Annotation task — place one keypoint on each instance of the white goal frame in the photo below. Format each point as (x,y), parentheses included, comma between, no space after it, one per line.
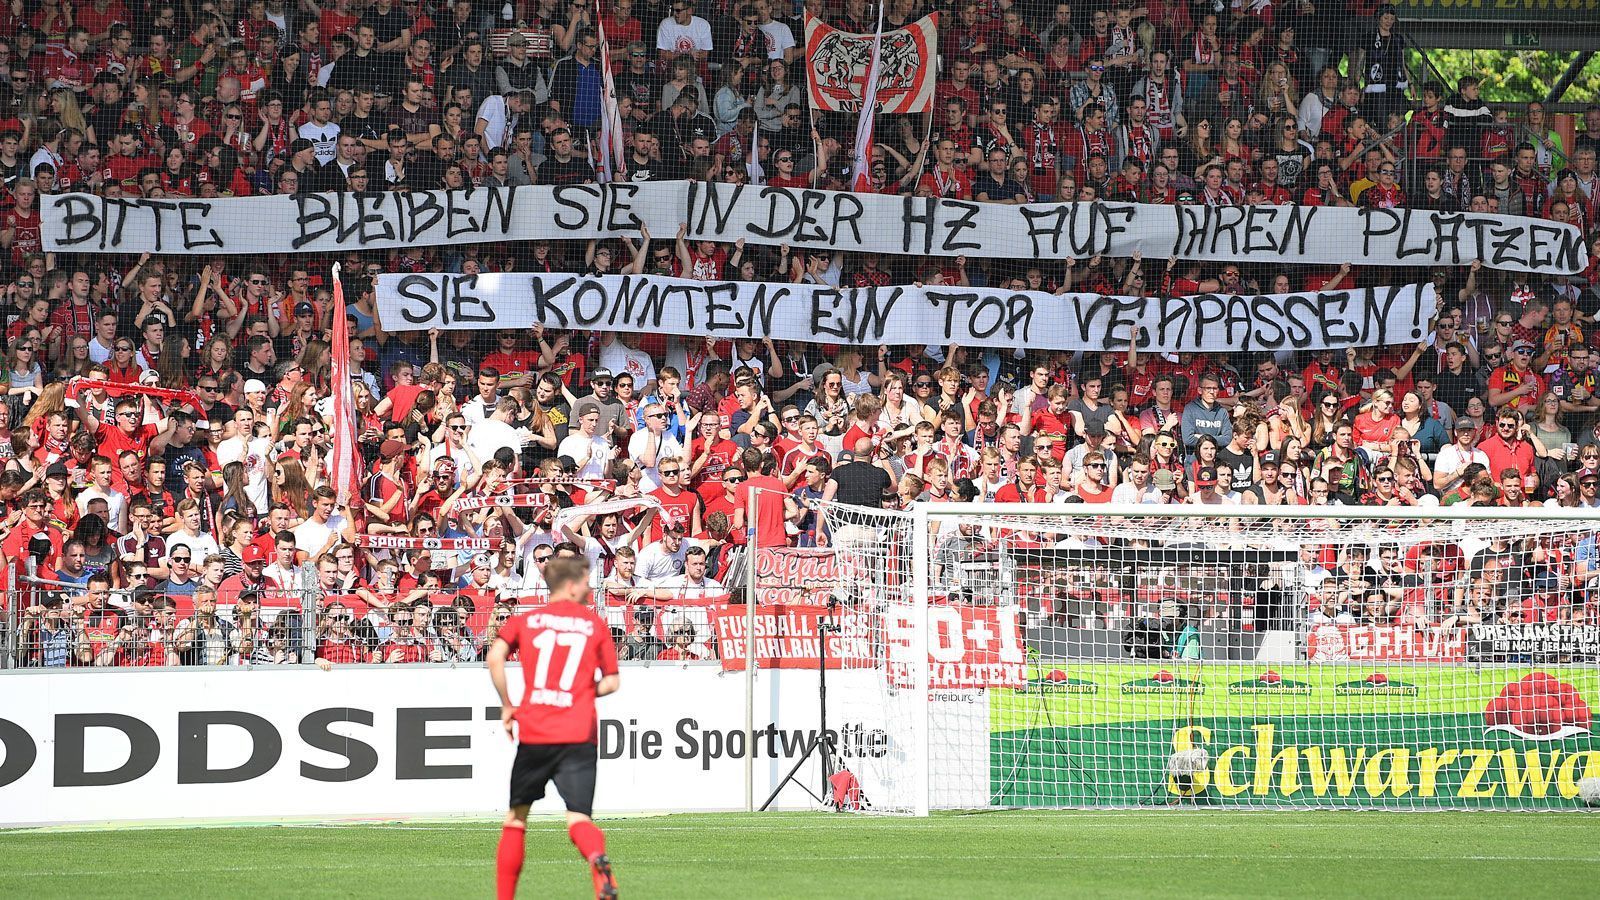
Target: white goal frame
(923,515)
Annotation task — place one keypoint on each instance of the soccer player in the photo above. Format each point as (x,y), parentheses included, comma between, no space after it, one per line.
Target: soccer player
(561,646)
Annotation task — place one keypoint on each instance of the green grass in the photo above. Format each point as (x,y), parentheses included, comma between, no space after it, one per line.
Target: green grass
(1146,853)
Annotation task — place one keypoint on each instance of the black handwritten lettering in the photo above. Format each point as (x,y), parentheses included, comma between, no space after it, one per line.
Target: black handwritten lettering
(719,299)
(314,218)
(907,314)
(618,197)
(917,213)
(810,220)
(77,212)
(192,227)
(1267,316)
(545,308)
(1045,222)
(963,221)
(779,202)
(575,197)
(422,211)
(847,213)
(1376,223)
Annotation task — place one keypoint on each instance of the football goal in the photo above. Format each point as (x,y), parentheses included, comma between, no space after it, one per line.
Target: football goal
(1079,655)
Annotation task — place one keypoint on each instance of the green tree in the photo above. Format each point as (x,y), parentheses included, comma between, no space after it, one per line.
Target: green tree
(1513,76)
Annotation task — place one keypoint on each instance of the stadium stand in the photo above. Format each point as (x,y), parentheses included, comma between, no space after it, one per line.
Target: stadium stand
(167,417)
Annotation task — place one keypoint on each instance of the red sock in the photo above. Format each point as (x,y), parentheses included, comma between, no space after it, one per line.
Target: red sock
(588,838)
(508,860)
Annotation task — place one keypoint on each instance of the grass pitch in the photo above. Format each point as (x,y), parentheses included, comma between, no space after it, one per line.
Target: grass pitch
(1145,853)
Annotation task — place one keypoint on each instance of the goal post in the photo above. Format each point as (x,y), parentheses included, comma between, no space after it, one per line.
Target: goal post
(1076,655)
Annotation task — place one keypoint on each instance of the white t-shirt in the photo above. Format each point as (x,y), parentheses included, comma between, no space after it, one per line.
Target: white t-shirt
(779,39)
(254,454)
(1452,460)
(325,137)
(598,448)
(656,564)
(311,535)
(497,120)
(1127,493)
(199,546)
(488,436)
(709,587)
(116,506)
(684,38)
(617,357)
(668,449)
(99,352)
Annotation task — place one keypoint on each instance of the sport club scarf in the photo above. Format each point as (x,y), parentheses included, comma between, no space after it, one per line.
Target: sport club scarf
(114,389)
(402,542)
(533,501)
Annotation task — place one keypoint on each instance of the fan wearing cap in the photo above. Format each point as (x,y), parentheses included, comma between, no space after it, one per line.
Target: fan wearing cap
(477,586)
(587,445)
(1589,498)
(386,494)
(1514,385)
(253,578)
(1205,488)
(19,541)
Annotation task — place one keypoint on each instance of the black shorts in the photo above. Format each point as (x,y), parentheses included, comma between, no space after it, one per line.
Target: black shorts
(570,766)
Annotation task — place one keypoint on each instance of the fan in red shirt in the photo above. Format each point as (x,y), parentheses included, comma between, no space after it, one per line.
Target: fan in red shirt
(701,261)
(510,360)
(124,164)
(561,646)
(1385,194)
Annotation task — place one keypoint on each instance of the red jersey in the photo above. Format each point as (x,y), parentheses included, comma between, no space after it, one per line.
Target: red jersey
(25,239)
(769,523)
(560,646)
(678,507)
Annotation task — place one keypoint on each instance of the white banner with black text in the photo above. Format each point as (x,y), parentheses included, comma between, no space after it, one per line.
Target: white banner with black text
(809,219)
(930,315)
(154,744)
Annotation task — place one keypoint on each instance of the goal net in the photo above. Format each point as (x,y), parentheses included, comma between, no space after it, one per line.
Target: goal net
(1111,656)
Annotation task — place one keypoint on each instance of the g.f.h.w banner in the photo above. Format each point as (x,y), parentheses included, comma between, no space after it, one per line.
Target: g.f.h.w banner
(837,63)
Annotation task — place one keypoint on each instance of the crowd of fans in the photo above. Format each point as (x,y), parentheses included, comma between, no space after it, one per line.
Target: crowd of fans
(181,522)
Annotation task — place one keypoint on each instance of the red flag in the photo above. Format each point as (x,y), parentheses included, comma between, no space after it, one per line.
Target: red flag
(344,463)
(860,175)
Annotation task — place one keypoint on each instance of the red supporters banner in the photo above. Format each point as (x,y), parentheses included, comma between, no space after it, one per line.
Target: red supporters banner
(786,637)
(837,63)
(345,459)
(1385,643)
(796,575)
(968,647)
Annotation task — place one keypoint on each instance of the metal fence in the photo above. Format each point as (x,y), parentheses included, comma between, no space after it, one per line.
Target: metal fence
(60,624)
